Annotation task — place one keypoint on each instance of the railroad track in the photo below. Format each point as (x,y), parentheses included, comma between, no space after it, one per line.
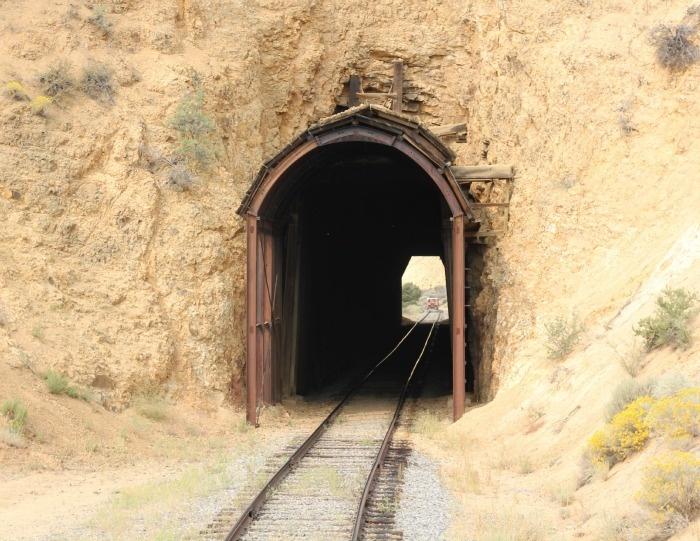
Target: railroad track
(343,482)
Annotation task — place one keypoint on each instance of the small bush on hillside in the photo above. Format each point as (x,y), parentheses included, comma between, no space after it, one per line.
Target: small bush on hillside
(677,416)
(633,361)
(562,336)
(16,413)
(100,20)
(16,91)
(671,485)
(626,433)
(4,318)
(625,393)
(194,127)
(669,324)
(57,79)
(410,293)
(674,50)
(97,82)
(180,178)
(39,104)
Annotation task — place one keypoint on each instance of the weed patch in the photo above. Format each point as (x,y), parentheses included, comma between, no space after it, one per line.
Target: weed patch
(57,383)
(677,416)
(101,21)
(39,104)
(152,407)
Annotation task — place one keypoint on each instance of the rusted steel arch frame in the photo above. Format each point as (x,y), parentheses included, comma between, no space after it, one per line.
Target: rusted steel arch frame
(439,174)
(391,130)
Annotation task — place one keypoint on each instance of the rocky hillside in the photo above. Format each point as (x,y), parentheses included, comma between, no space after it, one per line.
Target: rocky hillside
(112,276)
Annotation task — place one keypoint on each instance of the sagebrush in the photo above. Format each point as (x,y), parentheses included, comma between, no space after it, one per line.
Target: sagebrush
(57,80)
(673,46)
(669,324)
(626,393)
(100,20)
(97,82)
(57,383)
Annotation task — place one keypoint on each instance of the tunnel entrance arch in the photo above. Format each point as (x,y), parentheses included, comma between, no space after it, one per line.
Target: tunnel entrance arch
(387,172)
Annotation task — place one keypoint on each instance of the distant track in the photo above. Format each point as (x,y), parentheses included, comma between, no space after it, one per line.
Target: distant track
(341,482)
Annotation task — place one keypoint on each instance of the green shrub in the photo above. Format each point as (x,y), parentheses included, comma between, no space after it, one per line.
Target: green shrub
(671,485)
(669,324)
(562,336)
(16,413)
(97,82)
(626,393)
(57,79)
(194,129)
(410,293)
(57,383)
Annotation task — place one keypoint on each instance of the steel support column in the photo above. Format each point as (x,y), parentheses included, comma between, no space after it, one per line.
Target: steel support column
(251,320)
(457,316)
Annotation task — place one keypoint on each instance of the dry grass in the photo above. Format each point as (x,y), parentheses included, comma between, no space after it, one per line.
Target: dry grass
(428,424)
(321,480)
(507,524)
(152,407)
(97,82)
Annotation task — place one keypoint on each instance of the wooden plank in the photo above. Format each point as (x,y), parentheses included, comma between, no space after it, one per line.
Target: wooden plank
(448,129)
(475,234)
(479,172)
(397,105)
(486,205)
(354,89)
(376,95)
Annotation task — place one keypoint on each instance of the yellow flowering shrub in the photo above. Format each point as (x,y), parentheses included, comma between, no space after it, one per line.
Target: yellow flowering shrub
(39,104)
(627,432)
(671,484)
(677,416)
(16,90)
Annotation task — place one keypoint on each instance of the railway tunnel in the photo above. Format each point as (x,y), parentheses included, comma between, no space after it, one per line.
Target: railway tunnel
(332,222)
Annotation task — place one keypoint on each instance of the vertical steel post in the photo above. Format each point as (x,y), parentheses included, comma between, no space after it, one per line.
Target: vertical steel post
(251,321)
(458,319)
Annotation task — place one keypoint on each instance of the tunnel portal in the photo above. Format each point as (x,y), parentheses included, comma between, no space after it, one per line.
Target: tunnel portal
(332,221)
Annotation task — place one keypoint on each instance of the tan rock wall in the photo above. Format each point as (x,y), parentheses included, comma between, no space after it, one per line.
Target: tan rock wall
(107,274)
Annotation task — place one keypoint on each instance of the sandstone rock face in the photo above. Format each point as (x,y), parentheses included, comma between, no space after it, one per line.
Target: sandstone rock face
(122,283)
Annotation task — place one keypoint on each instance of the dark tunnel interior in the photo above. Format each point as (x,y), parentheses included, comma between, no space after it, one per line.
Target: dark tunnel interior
(350,216)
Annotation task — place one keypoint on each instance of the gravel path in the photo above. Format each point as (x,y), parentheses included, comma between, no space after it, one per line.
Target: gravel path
(424,507)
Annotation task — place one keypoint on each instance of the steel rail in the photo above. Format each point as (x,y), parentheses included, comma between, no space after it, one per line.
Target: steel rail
(252,510)
(381,455)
